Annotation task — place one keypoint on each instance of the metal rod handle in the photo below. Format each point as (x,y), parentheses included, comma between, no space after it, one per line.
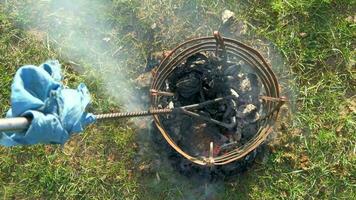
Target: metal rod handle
(14,124)
(23,123)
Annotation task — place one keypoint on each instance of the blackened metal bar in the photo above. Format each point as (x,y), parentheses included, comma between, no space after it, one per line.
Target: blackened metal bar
(158,111)
(208,119)
(205,103)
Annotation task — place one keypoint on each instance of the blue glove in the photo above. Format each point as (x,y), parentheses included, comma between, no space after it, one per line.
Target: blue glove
(56,112)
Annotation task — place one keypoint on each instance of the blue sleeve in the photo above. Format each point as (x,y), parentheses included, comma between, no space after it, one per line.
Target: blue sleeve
(56,112)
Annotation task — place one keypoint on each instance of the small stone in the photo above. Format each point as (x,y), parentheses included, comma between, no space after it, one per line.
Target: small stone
(303,34)
(351,19)
(227,15)
(154,26)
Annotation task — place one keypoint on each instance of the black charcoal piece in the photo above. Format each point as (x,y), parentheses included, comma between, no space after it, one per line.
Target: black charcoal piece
(189,85)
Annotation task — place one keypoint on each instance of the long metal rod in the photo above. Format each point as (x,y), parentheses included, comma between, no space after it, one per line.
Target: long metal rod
(22,123)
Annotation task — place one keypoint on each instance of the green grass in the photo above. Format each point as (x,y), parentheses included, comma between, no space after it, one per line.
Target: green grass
(313,156)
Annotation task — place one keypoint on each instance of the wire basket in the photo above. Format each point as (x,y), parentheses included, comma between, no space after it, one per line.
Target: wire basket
(225,48)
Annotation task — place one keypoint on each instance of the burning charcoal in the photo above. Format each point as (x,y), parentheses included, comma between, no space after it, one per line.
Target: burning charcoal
(245,110)
(189,85)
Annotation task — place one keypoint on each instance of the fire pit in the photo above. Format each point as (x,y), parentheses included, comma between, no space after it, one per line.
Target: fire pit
(234,92)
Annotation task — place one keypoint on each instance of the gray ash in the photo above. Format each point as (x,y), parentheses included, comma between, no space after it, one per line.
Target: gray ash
(204,77)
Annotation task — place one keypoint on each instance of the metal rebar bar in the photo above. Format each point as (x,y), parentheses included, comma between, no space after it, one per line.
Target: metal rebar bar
(22,123)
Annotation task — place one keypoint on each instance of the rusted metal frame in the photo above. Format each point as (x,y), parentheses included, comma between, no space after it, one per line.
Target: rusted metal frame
(220,45)
(210,160)
(262,133)
(258,68)
(182,56)
(202,44)
(254,143)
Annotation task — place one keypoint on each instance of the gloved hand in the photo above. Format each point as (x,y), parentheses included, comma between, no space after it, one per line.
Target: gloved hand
(56,112)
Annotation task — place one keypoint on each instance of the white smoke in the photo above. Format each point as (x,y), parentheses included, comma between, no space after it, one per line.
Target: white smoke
(80,32)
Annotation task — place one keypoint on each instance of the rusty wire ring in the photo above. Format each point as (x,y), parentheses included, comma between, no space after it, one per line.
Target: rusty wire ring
(217,44)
